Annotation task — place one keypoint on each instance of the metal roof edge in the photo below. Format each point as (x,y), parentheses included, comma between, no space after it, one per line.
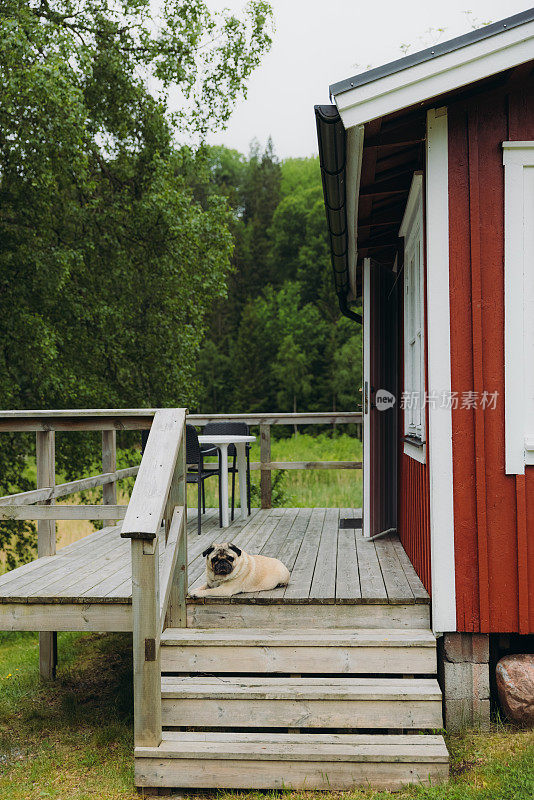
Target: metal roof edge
(433,52)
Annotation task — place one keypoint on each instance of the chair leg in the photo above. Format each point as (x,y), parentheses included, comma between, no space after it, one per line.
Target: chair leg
(199,496)
(220,500)
(248,483)
(203,497)
(233,494)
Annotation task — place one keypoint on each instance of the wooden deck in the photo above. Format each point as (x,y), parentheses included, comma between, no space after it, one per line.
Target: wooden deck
(87,585)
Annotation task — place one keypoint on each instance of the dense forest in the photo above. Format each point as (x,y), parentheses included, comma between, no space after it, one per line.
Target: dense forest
(277,340)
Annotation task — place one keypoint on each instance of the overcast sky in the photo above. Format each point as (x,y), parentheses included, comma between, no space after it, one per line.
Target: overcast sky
(318,42)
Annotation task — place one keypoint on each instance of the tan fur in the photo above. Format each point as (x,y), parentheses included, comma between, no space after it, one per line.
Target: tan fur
(249,574)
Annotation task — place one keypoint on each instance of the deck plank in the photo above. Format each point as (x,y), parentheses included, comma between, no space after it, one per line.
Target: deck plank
(302,574)
(373,588)
(347,567)
(397,586)
(323,585)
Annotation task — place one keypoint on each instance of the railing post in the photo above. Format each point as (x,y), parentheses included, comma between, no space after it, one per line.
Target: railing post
(45,458)
(109,464)
(265,462)
(177,609)
(146,642)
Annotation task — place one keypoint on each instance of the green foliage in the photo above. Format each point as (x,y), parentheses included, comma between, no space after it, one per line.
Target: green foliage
(277,342)
(111,255)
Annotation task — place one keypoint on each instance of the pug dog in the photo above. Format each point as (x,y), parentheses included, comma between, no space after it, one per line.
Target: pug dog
(229,570)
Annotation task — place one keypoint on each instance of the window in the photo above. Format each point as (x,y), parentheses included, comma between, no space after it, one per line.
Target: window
(414,345)
(518,158)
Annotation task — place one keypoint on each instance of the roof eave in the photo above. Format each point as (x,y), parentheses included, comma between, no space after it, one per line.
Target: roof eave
(423,80)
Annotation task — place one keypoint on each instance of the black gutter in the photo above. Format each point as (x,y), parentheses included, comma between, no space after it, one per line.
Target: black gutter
(332,140)
(431,53)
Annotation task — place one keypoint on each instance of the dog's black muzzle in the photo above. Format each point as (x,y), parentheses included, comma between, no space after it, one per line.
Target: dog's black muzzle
(222,567)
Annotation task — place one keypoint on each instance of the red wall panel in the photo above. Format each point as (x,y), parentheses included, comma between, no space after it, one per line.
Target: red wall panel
(414,516)
(494,512)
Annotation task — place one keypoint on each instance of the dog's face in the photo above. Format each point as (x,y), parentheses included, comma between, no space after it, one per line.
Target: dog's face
(222,558)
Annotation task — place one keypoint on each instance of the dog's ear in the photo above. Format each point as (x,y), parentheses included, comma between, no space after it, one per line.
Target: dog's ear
(208,551)
(235,549)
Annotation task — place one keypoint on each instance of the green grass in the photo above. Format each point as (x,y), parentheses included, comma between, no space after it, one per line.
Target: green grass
(72,739)
(329,488)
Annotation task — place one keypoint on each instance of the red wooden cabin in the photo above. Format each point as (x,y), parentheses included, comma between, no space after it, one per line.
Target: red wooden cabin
(428,172)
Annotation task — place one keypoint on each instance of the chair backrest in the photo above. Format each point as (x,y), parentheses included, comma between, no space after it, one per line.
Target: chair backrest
(226,429)
(192,446)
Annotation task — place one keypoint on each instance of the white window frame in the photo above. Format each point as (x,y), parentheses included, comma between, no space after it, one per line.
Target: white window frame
(412,231)
(518,158)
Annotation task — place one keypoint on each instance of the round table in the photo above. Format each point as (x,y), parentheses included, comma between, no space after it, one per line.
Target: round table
(222,442)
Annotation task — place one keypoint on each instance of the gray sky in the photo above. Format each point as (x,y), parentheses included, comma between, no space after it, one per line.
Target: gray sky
(318,42)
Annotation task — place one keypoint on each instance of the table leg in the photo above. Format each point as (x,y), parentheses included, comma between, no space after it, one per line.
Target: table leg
(242,468)
(224,483)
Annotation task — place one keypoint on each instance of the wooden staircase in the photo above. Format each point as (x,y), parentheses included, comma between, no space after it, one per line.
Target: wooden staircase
(319,708)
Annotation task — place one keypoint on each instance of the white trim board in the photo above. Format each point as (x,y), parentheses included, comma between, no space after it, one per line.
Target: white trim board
(415,451)
(432,78)
(366,511)
(518,157)
(439,374)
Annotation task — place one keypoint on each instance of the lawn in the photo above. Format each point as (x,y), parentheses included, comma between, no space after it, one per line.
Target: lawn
(325,488)
(72,740)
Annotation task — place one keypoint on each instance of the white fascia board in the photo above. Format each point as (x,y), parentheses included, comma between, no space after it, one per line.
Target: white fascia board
(433,78)
(439,374)
(353,176)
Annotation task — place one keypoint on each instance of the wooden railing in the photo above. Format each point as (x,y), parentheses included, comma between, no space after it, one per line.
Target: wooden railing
(265,420)
(159,554)
(159,581)
(39,504)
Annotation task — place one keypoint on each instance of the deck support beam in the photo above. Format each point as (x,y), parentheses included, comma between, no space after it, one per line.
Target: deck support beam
(45,456)
(146,643)
(265,465)
(109,464)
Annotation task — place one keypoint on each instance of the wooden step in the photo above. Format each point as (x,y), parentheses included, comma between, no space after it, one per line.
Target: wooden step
(309,651)
(241,702)
(221,614)
(292,761)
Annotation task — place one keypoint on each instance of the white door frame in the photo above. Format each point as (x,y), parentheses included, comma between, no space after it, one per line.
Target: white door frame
(366,399)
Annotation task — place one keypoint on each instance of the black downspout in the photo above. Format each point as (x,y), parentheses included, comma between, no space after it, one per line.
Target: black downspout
(348,312)
(332,140)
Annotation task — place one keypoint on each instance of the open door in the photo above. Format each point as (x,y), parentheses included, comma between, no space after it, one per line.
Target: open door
(380,397)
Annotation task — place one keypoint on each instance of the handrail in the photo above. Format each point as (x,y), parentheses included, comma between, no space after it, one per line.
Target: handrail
(275,418)
(151,489)
(99,419)
(159,585)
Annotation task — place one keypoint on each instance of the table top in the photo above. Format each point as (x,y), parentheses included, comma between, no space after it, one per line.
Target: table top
(230,438)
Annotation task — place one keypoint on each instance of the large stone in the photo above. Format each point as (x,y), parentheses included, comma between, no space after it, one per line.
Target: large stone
(515,683)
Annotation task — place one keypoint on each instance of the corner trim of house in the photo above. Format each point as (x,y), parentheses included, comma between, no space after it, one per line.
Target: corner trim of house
(439,374)
(366,516)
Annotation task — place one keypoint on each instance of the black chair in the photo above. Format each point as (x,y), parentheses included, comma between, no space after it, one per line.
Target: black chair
(196,473)
(226,429)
